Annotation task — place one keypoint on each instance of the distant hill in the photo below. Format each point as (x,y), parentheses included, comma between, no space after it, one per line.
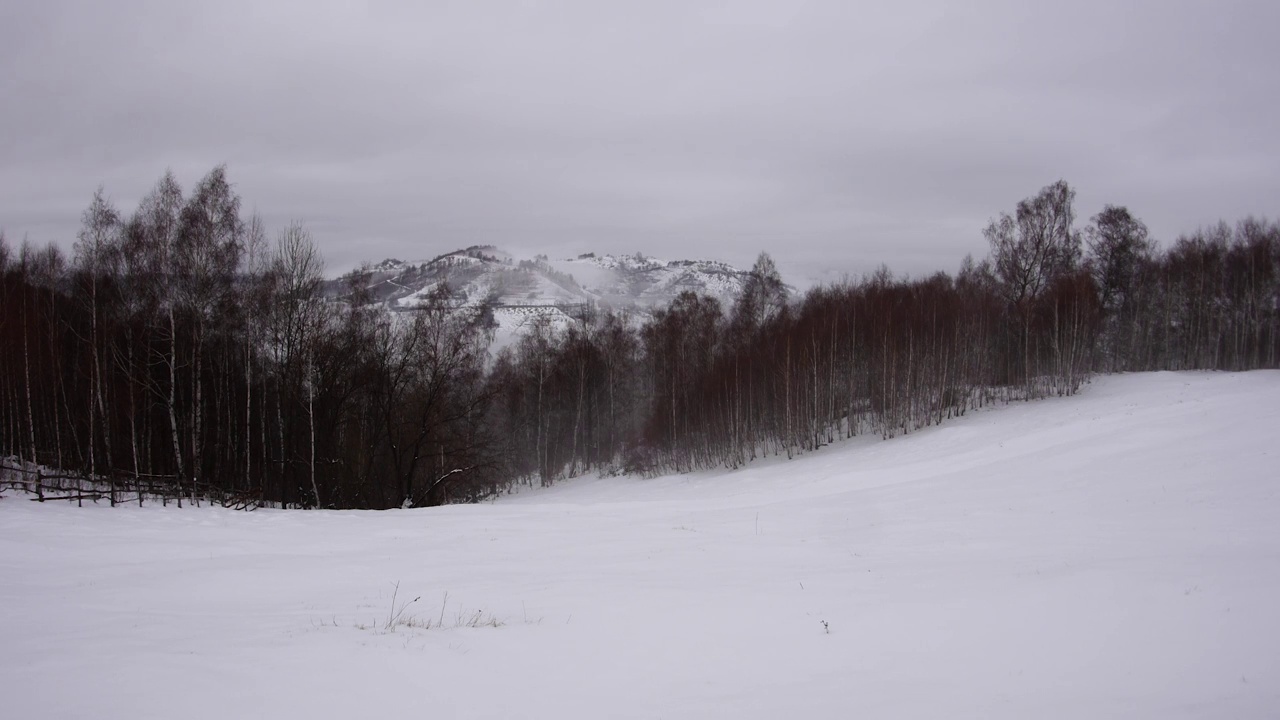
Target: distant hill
(523,288)
(485,272)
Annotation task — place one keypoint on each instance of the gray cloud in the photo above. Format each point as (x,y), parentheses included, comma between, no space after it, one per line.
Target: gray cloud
(834,135)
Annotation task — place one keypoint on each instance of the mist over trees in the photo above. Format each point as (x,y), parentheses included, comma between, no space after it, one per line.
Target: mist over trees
(185,348)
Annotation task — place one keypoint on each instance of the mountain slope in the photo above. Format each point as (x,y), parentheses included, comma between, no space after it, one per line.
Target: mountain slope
(488,273)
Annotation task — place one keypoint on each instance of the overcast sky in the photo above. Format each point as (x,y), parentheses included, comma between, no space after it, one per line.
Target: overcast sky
(835,135)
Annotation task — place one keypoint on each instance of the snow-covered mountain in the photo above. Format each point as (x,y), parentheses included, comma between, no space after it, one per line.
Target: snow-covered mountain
(522,290)
(484,272)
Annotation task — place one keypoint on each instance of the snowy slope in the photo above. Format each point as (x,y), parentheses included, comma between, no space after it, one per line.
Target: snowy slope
(1115,554)
(645,282)
(485,272)
(557,291)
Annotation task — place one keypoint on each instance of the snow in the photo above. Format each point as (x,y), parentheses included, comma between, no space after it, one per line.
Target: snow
(514,320)
(1114,554)
(650,282)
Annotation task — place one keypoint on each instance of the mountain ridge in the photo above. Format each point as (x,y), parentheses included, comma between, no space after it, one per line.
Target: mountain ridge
(487,273)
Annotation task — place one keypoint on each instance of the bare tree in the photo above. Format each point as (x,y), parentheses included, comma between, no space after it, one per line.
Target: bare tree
(1030,251)
(208,251)
(296,321)
(98,243)
(159,219)
(1119,246)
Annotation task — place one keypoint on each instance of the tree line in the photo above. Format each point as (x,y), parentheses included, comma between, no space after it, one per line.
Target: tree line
(182,345)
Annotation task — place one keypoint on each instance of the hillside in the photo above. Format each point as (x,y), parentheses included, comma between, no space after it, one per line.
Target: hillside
(489,273)
(1112,554)
(557,290)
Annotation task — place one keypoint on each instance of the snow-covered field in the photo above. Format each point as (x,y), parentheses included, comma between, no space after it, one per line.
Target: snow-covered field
(1112,555)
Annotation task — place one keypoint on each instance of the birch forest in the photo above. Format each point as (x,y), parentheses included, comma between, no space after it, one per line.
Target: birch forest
(185,352)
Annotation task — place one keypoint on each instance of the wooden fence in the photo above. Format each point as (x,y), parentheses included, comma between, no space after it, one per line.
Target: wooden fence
(119,488)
